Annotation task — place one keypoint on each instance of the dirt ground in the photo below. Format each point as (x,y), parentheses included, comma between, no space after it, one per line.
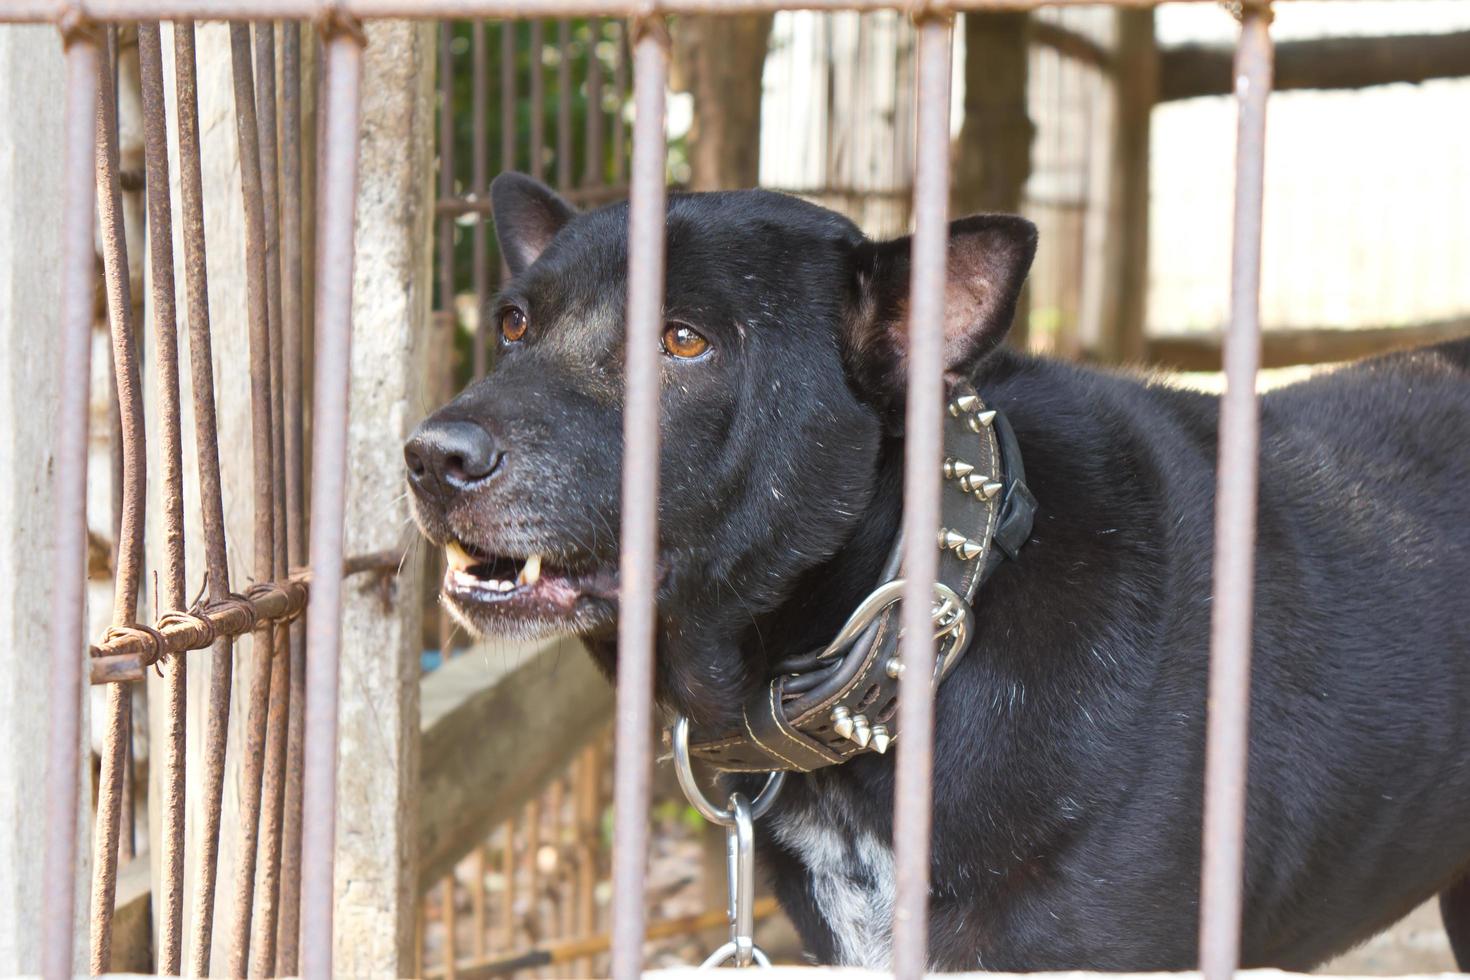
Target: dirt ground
(1416,945)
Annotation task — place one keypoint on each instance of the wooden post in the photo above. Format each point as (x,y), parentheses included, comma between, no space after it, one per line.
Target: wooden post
(1115,270)
(377,774)
(32,88)
(993,161)
(719,60)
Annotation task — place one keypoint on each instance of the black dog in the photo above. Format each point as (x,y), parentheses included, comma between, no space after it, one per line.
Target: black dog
(1069,740)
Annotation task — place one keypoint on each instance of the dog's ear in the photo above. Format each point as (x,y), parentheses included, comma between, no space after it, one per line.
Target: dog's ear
(528,214)
(989,256)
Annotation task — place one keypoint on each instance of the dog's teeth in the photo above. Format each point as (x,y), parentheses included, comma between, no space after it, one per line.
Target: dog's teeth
(457,557)
(531,571)
(463,579)
(505,586)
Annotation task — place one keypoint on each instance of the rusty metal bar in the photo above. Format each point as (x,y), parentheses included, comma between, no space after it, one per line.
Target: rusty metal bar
(646,211)
(620,86)
(257,302)
(125,591)
(1227,739)
(451,953)
(263,935)
(480,176)
(922,451)
(206,439)
(170,905)
(128,10)
(446,170)
(69,559)
(508,125)
(343,80)
(564,104)
(538,100)
(592,175)
(288,931)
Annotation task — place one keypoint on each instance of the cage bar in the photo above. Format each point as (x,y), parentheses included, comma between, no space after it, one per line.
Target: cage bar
(342,88)
(258,310)
(922,452)
(206,434)
(1227,739)
(481,168)
(165,321)
(130,528)
(637,564)
(69,562)
(292,305)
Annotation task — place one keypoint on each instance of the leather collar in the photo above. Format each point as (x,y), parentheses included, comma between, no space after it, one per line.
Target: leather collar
(825,707)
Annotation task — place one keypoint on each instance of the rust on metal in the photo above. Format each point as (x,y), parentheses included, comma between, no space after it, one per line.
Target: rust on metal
(69,561)
(639,538)
(538,102)
(273,789)
(342,104)
(206,434)
(922,451)
(564,104)
(592,175)
(1231,614)
(292,308)
(170,903)
(247,131)
(480,176)
(134,454)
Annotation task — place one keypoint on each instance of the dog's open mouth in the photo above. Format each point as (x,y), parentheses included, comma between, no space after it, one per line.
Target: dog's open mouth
(504,593)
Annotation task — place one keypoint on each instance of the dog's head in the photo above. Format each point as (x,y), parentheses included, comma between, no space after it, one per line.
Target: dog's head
(782,383)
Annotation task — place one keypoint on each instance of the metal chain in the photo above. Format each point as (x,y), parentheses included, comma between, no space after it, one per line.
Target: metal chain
(738,818)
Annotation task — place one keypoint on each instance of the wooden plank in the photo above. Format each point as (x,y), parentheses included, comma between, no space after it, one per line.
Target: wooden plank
(378,721)
(1285,348)
(1187,71)
(491,743)
(1115,270)
(32,90)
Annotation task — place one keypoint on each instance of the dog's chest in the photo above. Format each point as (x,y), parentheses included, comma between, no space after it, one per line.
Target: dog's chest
(850,874)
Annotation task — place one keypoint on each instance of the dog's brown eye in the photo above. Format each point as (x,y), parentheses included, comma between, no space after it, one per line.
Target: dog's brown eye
(684,341)
(512,324)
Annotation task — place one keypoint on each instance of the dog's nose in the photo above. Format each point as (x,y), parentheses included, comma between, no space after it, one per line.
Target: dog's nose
(451,455)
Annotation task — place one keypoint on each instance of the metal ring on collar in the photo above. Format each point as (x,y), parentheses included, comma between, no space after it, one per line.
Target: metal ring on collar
(685,771)
(952,614)
(728,951)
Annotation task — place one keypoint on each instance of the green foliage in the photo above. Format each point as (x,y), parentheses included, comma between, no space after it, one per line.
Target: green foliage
(586,38)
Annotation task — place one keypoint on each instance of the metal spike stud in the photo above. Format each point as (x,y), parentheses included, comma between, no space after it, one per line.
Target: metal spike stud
(957,469)
(842,722)
(950,539)
(894,668)
(981,420)
(881,738)
(963,404)
(989,490)
(861,734)
(973,483)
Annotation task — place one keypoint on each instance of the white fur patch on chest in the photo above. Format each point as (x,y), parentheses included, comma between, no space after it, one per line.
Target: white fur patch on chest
(852,882)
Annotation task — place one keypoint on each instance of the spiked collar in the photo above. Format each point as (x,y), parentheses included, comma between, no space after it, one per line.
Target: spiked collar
(824,707)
